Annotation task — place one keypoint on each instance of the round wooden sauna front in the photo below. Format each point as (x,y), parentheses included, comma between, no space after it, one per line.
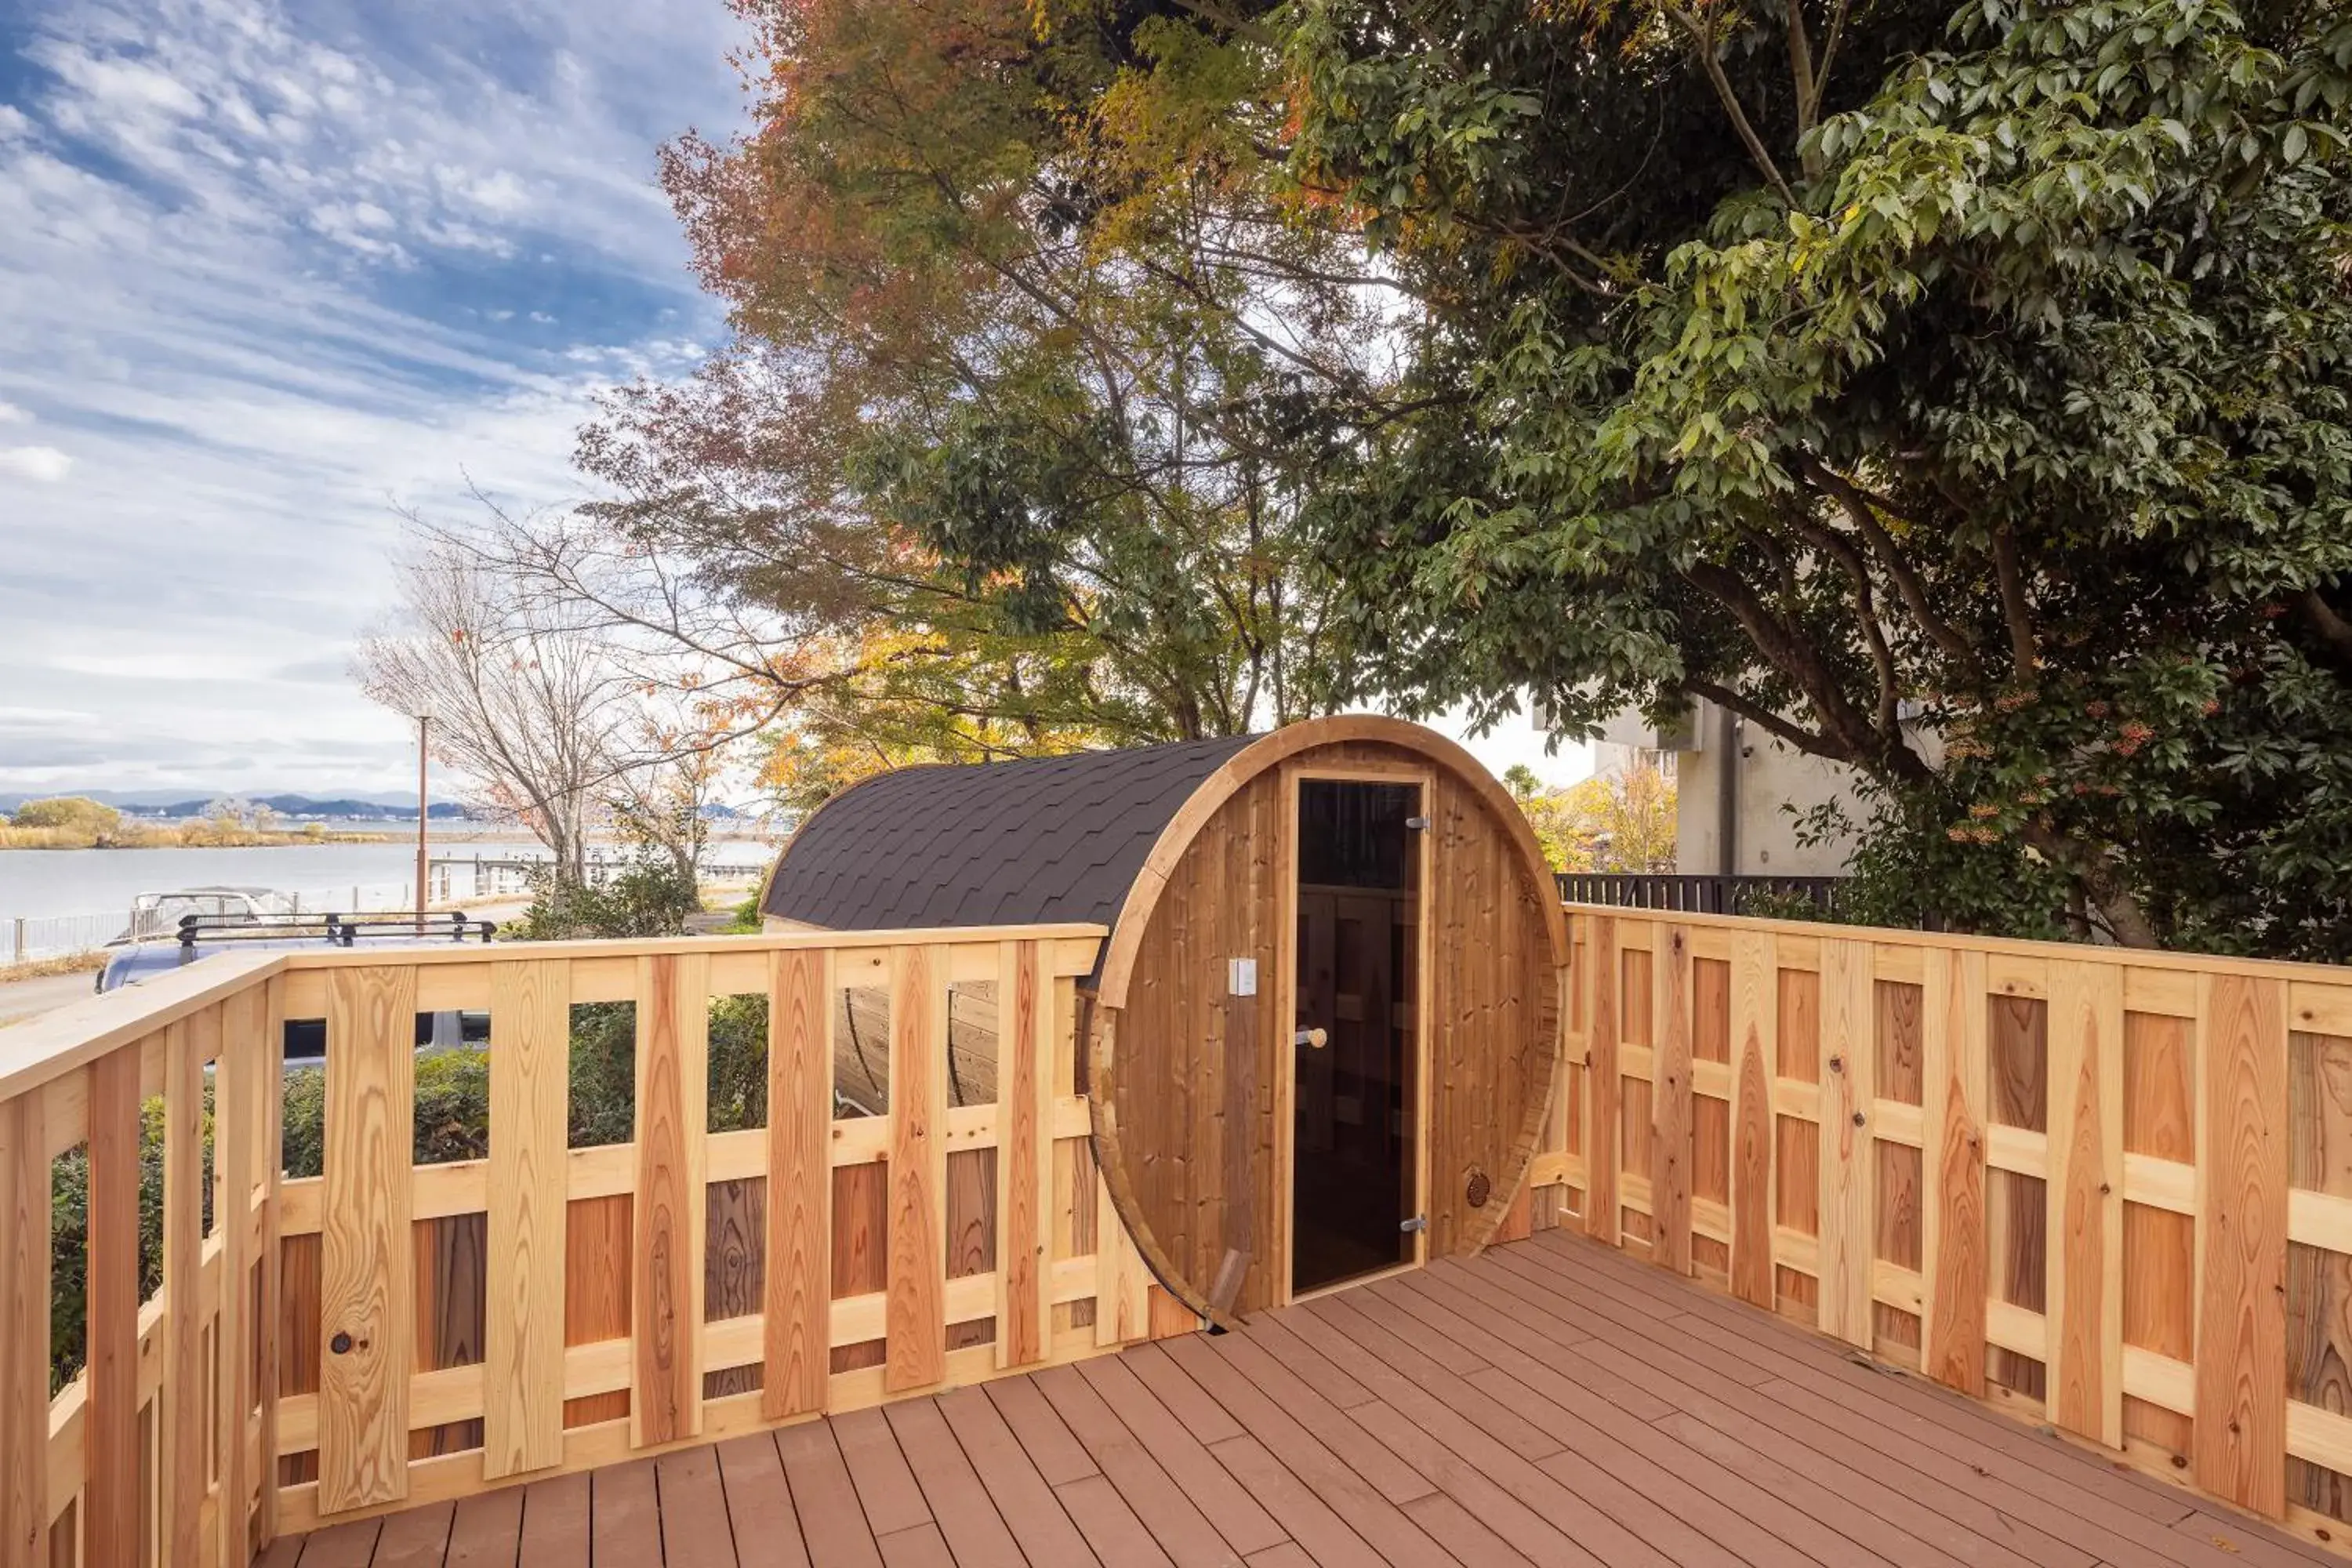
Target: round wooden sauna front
(1323,1031)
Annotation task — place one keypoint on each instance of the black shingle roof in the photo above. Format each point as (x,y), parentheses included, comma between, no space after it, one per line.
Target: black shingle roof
(1045,840)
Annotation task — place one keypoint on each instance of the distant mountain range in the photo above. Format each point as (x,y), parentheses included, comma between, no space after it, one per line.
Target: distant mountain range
(370,808)
(180,802)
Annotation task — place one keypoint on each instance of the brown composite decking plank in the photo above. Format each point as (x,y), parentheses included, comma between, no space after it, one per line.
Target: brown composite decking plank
(555,1522)
(342,1545)
(1749,1522)
(1227,1504)
(2264,1547)
(624,1516)
(1059,1457)
(486,1530)
(833,1521)
(1469,1542)
(1118,1537)
(1173,1520)
(1022,1496)
(919,1546)
(1434,1365)
(760,1511)
(1956,1519)
(1529,1281)
(286,1551)
(1795,1352)
(1343,1336)
(886,1487)
(1340,1464)
(1322,1536)
(695,1531)
(1530,1532)
(1647,1498)
(967,1516)
(414,1538)
(1293,1421)
(1556,1352)
(1289,1554)
(1203,1416)
(1918,1425)
(2034,1480)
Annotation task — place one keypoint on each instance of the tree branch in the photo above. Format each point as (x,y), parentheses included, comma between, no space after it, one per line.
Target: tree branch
(1703,45)
(2014,607)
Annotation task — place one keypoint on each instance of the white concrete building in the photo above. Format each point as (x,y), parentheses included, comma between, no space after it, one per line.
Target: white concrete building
(1740,794)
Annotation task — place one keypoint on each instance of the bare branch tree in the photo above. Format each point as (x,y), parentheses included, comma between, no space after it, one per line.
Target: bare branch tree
(524,700)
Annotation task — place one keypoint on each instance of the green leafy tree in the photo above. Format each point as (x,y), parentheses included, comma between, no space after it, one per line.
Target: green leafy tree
(1035,357)
(1962,398)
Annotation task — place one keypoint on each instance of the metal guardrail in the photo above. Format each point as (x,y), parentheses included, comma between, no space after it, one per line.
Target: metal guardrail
(1694,895)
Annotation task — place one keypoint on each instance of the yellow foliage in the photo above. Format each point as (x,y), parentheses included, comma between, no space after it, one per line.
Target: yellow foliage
(1622,822)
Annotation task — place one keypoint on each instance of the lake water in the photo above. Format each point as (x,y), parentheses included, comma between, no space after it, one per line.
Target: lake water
(46,884)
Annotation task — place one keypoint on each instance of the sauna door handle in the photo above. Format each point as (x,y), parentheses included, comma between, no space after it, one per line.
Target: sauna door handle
(1314,1037)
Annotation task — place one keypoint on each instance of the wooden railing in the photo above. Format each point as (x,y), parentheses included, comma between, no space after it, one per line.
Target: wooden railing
(384,1333)
(2110,1189)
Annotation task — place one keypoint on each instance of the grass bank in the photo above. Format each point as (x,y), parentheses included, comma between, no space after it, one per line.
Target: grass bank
(43,968)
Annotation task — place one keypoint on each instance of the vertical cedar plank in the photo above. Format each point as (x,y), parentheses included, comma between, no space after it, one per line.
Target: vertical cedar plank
(797,1290)
(1848,1216)
(2240,1418)
(24,1335)
(181,1471)
(915,1319)
(366,1248)
(1601,1086)
(1024,1120)
(110,1490)
(1670,1098)
(237,1172)
(271,1105)
(2085,1192)
(1754,1014)
(1123,1304)
(522,1375)
(671,1208)
(1952,1044)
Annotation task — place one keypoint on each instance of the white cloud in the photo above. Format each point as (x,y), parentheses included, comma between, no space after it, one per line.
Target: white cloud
(45,464)
(258,273)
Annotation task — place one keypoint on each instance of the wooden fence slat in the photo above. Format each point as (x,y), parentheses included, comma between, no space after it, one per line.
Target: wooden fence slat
(671,1210)
(24,1335)
(1849,1160)
(915,1319)
(110,1499)
(1122,1285)
(1670,1098)
(1952,1249)
(237,1172)
(2085,1192)
(366,1295)
(182,1401)
(1601,1089)
(2242,1135)
(797,1287)
(1755,1019)
(271,1105)
(522,1351)
(1024,1157)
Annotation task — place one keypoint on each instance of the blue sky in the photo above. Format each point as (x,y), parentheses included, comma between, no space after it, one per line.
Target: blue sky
(269,275)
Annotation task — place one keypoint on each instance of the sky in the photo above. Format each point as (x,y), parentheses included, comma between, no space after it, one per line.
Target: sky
(271,275)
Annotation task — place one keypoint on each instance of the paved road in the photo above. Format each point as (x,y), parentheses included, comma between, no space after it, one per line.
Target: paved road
(23,998)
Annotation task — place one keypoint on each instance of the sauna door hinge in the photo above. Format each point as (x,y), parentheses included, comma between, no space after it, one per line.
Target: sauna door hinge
(1418,1222)
(1417,824)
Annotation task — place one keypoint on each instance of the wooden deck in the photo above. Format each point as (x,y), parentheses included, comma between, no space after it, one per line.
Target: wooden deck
(1552,1402)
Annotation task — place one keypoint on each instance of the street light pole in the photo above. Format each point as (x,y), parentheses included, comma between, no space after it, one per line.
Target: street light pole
(423,723)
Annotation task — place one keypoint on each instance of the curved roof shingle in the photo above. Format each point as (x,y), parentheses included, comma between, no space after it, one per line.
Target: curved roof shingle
(1029,842)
